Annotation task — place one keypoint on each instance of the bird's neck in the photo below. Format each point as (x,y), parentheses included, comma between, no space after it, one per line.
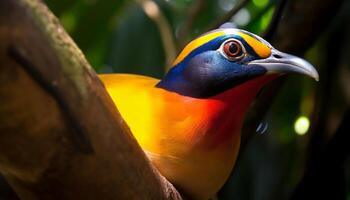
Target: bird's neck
(226,111)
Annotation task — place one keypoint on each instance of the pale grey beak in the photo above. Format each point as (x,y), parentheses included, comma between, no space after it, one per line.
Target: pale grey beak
(279,62)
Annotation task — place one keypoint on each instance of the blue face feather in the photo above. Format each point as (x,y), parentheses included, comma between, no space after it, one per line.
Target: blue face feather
(206,71)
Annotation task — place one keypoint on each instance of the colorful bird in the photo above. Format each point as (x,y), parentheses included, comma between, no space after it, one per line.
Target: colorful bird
(189,122)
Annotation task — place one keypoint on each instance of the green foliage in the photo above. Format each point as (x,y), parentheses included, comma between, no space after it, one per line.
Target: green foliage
(136,46)
(111,33)
(90,23)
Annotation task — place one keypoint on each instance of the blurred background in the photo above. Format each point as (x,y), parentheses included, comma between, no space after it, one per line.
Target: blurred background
(144,36)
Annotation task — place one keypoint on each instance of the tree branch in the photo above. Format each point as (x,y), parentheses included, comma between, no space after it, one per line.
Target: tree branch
(61,136)
(153,11)
(277,15)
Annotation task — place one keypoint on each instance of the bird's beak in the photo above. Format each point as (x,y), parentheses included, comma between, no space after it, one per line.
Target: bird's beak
(279,62)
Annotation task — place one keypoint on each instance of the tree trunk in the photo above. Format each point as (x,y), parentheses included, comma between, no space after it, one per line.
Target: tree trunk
(61,136)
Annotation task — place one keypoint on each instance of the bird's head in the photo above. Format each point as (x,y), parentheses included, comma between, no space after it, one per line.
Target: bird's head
(225,58)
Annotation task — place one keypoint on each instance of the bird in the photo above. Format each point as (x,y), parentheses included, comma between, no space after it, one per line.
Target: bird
(189,122)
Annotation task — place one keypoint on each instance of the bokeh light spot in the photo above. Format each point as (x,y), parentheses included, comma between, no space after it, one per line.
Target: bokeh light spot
(69,21)
(301,125)
(266,18)
(242,18)
(226,5)
(260,3)
(150,8)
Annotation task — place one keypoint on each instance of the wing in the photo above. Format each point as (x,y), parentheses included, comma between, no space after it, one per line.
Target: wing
(161,121)
(132,94)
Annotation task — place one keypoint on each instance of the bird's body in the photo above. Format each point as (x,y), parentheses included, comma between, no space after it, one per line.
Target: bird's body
(191,138)
(189,122)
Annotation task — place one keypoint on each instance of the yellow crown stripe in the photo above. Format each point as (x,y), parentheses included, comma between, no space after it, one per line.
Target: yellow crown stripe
(197,43)
(259,47)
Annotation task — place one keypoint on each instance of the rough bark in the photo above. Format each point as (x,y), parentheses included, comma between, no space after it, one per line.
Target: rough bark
(61,136)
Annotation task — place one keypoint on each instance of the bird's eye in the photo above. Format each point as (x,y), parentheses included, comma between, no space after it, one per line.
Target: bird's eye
(233,49)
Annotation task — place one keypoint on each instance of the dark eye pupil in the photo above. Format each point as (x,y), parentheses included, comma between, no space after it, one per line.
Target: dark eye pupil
(233,48)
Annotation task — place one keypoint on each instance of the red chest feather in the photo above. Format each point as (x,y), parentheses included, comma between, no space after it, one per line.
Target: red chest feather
(225,112)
